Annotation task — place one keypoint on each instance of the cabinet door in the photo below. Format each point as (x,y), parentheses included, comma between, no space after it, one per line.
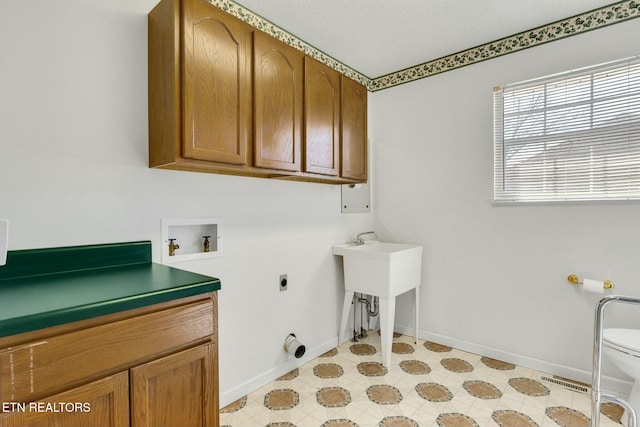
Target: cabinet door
(216,85)
(277,92)
(322,118)
(102,403)
(176,390)
(354,130)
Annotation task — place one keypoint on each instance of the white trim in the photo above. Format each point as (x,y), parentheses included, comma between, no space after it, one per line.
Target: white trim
(609,384)
(253,384)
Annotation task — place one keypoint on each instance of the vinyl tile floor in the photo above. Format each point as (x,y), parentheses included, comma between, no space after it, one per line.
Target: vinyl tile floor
(427,384)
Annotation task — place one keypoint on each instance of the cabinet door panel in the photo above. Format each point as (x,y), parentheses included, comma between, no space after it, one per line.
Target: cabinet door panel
(103,403)
(177,390)
(322,118)
(216,85)
(354,130)
(277,104)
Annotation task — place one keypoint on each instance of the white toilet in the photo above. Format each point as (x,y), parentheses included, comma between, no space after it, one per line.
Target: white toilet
(622,346)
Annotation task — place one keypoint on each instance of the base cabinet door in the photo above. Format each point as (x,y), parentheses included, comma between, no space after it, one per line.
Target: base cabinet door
(102,403)
(176,390)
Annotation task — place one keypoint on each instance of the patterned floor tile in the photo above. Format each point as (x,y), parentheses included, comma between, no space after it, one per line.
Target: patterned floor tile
(383,394)
(330,353)
(362,349)
(456,365)
(513,418)
(434,392)
(235,406)
(482,389)
(332,397)
(456,420)
(372,369)
(427,385)
(339,423)
(398,421)
(612,411)
(328,370)
(498,364)
(281,399)
(289,375)
(567,417)
(529,386)
(438,348)
(402,348)
(414,367)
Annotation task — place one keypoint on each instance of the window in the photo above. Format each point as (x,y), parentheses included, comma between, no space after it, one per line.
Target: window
(571,136)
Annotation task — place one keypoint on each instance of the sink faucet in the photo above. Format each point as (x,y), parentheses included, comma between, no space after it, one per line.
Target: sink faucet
(360,240)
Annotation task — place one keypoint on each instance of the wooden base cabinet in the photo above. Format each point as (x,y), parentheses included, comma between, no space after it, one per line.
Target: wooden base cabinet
(148,367)
(175,390)
(102,403)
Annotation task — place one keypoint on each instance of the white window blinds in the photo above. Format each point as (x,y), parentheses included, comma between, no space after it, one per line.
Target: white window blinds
(571,136)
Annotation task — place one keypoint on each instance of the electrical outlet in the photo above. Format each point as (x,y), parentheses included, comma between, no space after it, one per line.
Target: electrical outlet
(283,282)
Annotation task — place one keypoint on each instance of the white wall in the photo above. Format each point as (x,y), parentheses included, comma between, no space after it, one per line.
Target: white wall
(73,146)
(73,151)
(494,277)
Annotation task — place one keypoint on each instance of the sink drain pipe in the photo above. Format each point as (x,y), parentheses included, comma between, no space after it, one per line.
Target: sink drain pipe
(376,307)
(370,312)
(294,347)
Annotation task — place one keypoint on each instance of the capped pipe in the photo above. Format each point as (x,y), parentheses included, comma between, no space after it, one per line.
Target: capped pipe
(294,347)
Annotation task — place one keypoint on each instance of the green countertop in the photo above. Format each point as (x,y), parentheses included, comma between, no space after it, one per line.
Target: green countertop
(48,287)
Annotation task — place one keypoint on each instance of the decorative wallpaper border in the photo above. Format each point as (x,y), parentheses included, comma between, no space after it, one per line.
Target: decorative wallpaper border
(598,18)
(273,30)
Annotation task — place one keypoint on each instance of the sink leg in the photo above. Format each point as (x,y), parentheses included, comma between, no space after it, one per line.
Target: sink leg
(346,308)
(417,312)
(387,318)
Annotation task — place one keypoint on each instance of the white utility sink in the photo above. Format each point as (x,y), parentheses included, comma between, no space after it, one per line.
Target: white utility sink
(379,268)
(384,270)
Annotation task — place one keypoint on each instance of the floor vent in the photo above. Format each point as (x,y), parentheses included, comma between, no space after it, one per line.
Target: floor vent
(567,383)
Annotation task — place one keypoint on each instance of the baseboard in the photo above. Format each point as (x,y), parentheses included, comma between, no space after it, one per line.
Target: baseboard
(608,384)
(253,384)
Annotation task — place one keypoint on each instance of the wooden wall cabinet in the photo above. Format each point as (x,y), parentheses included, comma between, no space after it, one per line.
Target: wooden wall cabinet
(227,98)
(215,84)
(153,366)
(335,124)
(353,131)
(278,79)
(322,118)
(199,88)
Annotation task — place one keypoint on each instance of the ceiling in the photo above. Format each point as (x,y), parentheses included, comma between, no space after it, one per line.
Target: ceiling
(379,37)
